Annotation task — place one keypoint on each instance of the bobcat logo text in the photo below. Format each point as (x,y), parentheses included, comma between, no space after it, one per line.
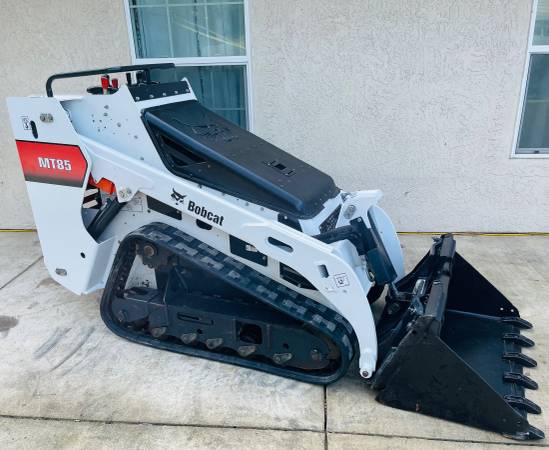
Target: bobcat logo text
(201,211)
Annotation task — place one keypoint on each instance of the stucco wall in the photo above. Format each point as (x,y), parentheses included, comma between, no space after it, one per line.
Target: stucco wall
(38,38)
(416,97)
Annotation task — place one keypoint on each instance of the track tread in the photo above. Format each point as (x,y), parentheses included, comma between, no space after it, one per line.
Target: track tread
(239,275)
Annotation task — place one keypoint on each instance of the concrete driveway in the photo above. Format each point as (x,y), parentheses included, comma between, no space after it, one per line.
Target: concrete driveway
(67,382)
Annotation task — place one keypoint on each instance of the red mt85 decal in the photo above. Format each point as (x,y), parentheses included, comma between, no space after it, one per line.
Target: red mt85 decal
(52,163)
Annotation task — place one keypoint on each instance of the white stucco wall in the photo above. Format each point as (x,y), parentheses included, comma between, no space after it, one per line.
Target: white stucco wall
(39,38)
(416,97)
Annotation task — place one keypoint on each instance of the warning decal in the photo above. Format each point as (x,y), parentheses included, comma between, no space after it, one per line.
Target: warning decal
(341,280)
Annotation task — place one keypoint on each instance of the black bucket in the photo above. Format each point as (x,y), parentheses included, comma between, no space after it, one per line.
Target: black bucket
(450,347)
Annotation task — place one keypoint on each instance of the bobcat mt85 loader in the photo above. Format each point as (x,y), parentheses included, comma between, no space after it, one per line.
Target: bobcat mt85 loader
(209,241)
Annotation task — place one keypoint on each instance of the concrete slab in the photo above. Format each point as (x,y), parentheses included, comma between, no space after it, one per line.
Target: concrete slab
(361,442)
(60,361)
(51,434)
(519,267)
(17,252)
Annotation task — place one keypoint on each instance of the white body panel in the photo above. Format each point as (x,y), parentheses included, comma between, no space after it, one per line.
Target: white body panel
(117,147)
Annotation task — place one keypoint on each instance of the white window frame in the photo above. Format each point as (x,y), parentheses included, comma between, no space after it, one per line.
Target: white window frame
(532,50)
(243,60)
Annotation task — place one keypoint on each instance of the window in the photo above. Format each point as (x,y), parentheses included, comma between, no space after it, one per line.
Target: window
(533,129)
(208,42)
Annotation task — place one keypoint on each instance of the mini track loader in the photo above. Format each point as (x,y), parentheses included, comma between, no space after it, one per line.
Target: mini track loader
(209,241)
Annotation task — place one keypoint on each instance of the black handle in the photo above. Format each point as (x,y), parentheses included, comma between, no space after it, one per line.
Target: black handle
(85,73)
(104,217)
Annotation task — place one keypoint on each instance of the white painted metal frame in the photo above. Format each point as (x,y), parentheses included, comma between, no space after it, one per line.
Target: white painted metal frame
(532,49)
(336,270)
(243,60)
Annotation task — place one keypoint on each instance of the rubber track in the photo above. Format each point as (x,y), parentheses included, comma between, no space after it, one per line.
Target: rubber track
(323,319)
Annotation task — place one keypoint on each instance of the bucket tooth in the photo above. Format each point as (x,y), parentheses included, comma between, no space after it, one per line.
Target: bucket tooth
(532,433)
(535,433)
(517,321)
(520,379)
(518,339)
(520,358)
(516,401)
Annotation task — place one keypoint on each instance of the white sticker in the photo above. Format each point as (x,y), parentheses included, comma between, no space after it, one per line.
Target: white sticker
(341,280)
(134,205)
(26,123)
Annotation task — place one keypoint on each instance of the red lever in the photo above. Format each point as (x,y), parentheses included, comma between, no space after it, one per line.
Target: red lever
(115,83)
(105,83)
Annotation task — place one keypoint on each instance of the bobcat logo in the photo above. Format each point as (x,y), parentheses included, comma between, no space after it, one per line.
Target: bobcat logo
(177,197)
